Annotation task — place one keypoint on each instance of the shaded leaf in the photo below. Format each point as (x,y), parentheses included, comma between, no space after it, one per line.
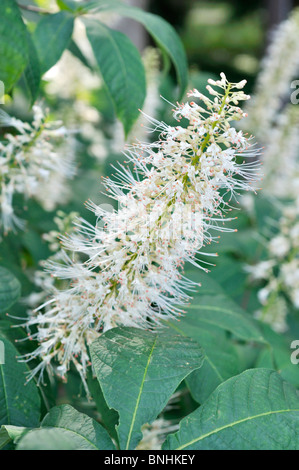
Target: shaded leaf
(278,355)
(221,362)
(210,313)
(109,417)
(19,403)
(10,433)
(49,439)
(212,307)
(64,428)
(10,289)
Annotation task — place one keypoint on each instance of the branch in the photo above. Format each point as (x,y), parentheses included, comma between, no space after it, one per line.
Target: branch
(34,9)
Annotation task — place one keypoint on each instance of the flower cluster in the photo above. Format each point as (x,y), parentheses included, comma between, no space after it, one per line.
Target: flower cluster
(43,282)
(172,203)
(280,272)
(280,66)
(154,434)
(33,164)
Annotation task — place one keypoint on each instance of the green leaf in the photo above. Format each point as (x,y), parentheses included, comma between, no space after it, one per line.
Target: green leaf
(166,38)
(138,372)
(265,359)
(64,428)
(278,352)
(13,40)
(10,433)
(210,313)
(121,68)
(162,32)
(68,5)
(212,307)
(97,5)
(32,71)
(76,51)
(230,274)
(256,410)
(10,289)
(220,364)
(19,402)
(73,5)
(48,439)
(51,37)
(109,417)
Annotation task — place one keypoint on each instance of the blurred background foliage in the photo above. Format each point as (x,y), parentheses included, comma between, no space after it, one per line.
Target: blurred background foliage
(225,35)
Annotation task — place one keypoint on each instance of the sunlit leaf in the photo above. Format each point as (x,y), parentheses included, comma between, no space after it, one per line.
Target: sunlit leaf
(256,410)
(138,372)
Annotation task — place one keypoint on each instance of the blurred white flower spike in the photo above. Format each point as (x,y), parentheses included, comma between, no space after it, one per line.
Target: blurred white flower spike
(2,93)
(35,161)
(280,272)
(274,84)
(132,270)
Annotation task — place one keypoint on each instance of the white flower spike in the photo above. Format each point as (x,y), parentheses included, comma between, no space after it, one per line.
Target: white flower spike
(30,165)
(171,205)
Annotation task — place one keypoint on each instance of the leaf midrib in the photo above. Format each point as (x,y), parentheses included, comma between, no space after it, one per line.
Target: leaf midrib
(249,418)
(57,33)
(5,394)
(116,47)
(141,16)
(139,394)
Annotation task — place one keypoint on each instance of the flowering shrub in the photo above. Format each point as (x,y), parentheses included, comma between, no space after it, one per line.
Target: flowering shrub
(183,186)
(118,331)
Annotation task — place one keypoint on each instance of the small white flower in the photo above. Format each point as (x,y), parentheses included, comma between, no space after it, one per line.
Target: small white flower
(275,314)
(261,270)
(279,246)
(263,295)
(154,434)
